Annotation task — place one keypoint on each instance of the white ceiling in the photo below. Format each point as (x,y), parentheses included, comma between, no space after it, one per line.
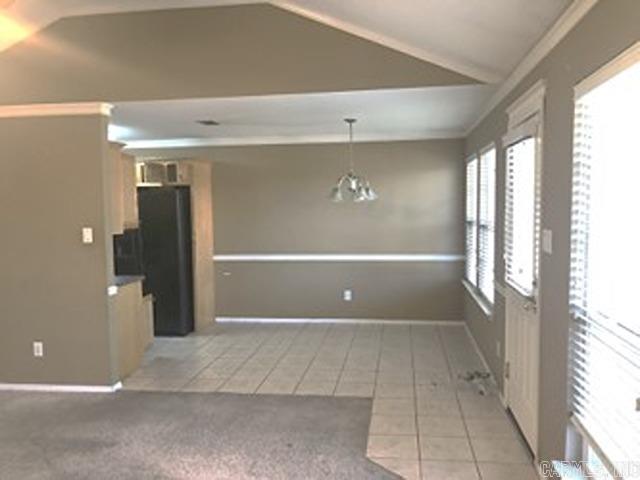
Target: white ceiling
(405,114)
(481,38)
(484,39)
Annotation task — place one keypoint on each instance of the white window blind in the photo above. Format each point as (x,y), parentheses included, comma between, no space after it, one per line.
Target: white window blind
(605,267)
(472,221)
(522,212)
(486,224)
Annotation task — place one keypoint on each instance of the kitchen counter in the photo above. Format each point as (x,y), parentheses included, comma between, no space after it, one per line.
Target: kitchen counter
(122,280)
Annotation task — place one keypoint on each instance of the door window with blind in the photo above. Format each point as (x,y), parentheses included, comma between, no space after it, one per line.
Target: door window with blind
(522,208)
(605,263)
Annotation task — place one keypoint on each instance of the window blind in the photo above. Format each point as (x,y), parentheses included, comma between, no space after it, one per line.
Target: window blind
(605,263)
(472,222)
(522,213)
(486,224)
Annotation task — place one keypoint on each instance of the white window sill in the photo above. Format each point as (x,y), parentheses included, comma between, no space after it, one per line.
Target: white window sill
(485,306)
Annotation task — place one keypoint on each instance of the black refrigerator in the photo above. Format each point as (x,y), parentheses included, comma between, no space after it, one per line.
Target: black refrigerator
(165,225)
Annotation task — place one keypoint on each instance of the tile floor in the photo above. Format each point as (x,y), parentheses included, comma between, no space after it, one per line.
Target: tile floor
(427,423)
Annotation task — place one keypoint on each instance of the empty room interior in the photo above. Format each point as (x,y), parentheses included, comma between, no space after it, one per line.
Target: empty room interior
(319,239)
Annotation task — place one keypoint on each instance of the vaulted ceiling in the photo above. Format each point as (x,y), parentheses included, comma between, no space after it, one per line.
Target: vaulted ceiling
(482,39)
(278,71)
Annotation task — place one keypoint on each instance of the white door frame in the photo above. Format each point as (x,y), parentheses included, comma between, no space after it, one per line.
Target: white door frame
(530,105)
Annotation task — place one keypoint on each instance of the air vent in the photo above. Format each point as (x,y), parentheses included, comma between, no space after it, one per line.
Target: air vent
(164,173)
(151,173)
(208,123)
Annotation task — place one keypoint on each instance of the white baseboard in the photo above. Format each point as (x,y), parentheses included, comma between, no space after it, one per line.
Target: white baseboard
(365,321)
(485,364)
(36,387)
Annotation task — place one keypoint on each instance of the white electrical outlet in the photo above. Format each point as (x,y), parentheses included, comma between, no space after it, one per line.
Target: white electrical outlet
(38,349)
(498,349)
(347,295)
(87,235)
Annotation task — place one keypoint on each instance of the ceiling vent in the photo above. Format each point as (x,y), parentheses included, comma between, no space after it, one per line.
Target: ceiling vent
(208,123)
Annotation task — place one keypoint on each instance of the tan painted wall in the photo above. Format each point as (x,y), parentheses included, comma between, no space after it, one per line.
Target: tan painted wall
(610,28)
(201,52)
(412,291)
(55,180)
(274,199)
(202,216)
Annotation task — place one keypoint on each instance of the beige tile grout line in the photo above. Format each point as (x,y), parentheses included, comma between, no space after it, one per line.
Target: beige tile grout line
(375,387)
(335,389)
(189,379)
(288,346)
(375,378)
(315,355)
(415,406)
(462,415)
(415,402)
(264,340)
(192,378)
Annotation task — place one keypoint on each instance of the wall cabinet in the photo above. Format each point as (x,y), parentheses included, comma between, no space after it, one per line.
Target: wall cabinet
(124,202)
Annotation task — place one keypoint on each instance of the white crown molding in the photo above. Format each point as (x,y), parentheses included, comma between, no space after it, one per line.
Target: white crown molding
(286,140)
(329,257)
(475,72)
(528,104)
(55,110)
(348,321)
(36,387)
(567,21)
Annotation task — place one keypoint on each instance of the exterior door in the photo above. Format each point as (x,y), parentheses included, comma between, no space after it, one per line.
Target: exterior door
(523,359)
(521,278)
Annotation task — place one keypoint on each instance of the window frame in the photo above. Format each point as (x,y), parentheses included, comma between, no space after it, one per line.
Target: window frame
(627,59)
(491,223)
(471,219)
(473,285)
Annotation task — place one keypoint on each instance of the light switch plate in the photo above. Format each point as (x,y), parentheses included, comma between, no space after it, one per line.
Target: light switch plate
(547,241)
(38,349)
(347,295)
(87,235)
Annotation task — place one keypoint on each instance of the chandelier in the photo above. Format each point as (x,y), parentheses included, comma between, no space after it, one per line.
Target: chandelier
(355,187)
